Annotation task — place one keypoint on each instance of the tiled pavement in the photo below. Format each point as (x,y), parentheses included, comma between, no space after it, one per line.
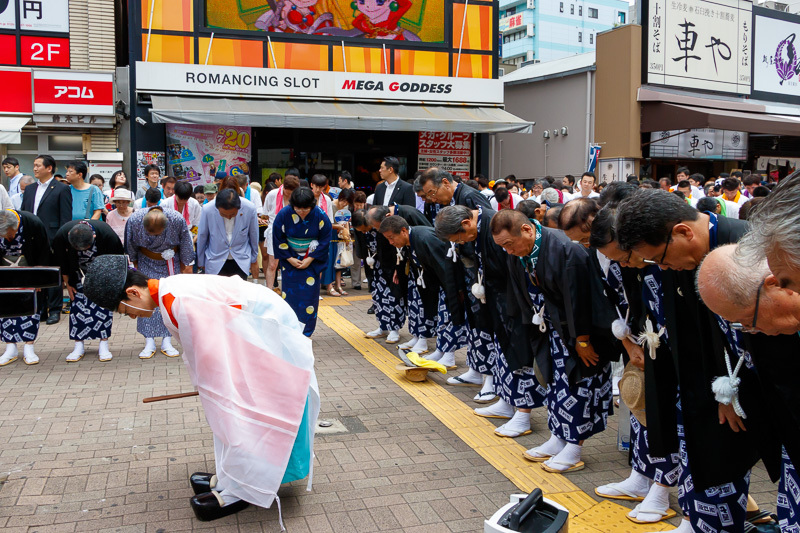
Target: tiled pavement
(82,453)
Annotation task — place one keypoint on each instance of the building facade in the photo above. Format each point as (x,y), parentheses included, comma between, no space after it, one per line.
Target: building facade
(58,95)
(544,30)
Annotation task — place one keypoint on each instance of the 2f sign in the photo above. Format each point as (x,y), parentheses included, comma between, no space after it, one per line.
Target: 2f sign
(45,52)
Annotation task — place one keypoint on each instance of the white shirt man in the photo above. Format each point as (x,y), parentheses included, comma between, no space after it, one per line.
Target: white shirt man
(195,210)
(11,170)
(40,190)
(390,189)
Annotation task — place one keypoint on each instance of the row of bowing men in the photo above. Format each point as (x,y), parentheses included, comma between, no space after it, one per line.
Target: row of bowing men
(544,312)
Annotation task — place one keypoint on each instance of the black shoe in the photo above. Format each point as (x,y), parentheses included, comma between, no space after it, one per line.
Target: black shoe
(356,287)
(371,310)
(206,507)
(201,482)
(53,318)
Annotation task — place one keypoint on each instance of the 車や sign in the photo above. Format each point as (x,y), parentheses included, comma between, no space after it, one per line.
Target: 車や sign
(699,44)
(446,150)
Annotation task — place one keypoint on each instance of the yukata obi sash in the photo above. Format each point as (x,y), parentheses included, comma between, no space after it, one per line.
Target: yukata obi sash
(253,369)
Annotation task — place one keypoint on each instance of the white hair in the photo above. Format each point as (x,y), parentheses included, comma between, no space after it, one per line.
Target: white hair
(8,220)
(736,279)
(774,224)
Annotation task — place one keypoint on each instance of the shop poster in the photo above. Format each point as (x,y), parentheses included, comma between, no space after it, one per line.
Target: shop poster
(446,150)
(197,152)
(148,158)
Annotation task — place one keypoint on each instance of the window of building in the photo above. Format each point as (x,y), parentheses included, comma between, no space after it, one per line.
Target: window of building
(63,147)
(592,12)
(561,7)
(591,38)
(572,9)
(580,11)
(511,11)
(580,37)
(621,17)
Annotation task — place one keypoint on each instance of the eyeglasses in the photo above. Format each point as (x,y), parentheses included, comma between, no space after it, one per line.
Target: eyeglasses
(738,326)
(664,255)
(430,195)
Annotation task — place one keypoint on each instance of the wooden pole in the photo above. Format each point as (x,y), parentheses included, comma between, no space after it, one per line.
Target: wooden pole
(170,397)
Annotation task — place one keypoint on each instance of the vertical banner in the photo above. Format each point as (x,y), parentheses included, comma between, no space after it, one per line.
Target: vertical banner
(196,152)
(148,158)
(446,150)
(594,155)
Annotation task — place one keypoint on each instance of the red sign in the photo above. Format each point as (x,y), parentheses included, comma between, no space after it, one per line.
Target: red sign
(8,49)
(515,21)
(44,51)
(73,92)
(15,91)
(448,151)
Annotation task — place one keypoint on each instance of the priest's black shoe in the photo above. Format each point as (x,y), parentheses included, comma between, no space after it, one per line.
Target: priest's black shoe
(201,482)
(53,318)
(371,310)
(207,506)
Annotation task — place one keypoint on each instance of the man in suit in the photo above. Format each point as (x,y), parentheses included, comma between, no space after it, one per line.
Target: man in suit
(51,201)
(393,190)
(440,187)
(227,237)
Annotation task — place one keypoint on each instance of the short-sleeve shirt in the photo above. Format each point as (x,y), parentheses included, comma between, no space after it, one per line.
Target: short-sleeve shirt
(81,199)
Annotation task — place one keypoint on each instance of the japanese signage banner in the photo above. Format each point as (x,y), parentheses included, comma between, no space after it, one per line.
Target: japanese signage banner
(699,144)
(776,65)
(173,78)
(448,151)
(197,152)
(8,15)
(514,22)
(73,92)
(699,44)
(39,15)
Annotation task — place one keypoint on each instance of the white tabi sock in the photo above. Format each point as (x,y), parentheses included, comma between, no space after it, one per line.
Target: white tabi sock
(657,501)
(488,384)
(566,458)
(435,356)
(29,354)
(10,353)
(420,346)
(79,348)
(685,527)
(149,344)
(103,348)
(448,359)
(409,345)
(167,348)
(550,448)
(498,409)
(636,485)
(520,423)
(473,376)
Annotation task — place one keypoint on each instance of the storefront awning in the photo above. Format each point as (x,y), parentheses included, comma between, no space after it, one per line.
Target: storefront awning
(660,116)
(335,115)
(11,129)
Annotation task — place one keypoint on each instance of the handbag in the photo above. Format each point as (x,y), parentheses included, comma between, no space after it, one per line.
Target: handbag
(344,255)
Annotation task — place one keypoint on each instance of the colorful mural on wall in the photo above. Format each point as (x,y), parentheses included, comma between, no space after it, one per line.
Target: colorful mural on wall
(396,20)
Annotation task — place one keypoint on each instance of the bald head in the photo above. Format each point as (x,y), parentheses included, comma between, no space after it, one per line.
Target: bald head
(727,285)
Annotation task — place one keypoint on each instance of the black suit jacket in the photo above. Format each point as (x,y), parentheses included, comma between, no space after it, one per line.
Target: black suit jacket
(66,257)
(403,194)
(55,208)
(35,247)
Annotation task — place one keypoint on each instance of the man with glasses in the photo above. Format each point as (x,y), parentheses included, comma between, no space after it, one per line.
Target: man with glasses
(719,449)
(739,286)
(439,186)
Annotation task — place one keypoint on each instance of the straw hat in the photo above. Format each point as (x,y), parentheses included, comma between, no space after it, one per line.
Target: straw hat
(631,391)
(414,373)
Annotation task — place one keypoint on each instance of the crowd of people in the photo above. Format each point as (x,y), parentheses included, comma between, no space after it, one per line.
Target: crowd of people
(564,295)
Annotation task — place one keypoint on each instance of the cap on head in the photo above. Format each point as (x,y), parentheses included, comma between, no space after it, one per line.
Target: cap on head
(209,188)
(105,280)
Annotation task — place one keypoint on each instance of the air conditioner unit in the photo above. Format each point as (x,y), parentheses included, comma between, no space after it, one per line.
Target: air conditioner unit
(536,61)
(531,5)
(530,32)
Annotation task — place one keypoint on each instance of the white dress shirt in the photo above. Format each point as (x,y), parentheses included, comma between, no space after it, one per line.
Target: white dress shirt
(5,200)
(13,185)
(389,191)
(229,223)
(40,190)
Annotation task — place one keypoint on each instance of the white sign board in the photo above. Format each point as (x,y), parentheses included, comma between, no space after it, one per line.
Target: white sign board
(173,78)
(699,144)
(44,15)
(700,44)
(776,65)
(8,15)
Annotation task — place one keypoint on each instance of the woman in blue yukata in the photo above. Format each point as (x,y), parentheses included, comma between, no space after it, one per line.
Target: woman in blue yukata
(301,236)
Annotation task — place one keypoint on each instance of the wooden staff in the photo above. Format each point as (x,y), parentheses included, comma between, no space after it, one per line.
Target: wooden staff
(169,397)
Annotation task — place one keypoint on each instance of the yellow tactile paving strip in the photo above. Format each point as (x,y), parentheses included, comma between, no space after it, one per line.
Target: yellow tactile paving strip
(586,515)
